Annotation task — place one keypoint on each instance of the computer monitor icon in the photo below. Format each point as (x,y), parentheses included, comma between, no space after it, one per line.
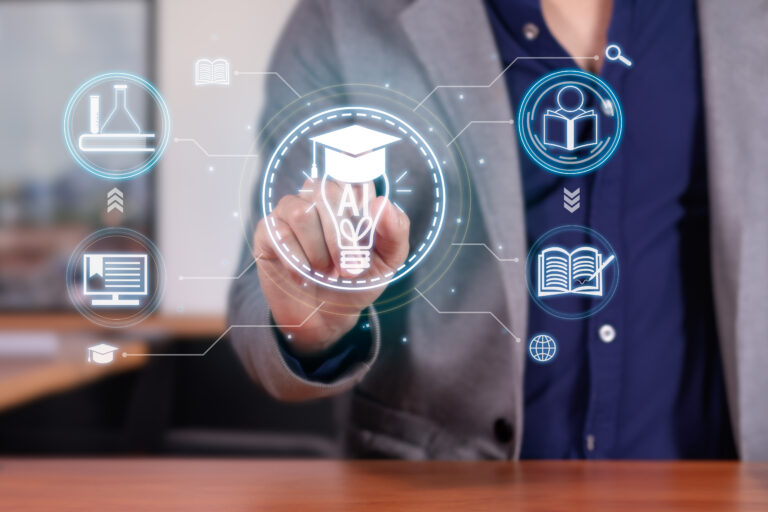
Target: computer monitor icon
(119,276)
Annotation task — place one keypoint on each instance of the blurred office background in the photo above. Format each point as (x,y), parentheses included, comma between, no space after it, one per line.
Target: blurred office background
(51,400)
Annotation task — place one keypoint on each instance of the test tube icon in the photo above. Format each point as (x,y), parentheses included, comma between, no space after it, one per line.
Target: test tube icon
(126,137)
(94,114)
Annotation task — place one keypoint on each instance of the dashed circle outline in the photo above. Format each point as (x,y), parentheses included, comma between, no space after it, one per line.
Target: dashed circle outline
(439,191)
(107,173)
(532,152)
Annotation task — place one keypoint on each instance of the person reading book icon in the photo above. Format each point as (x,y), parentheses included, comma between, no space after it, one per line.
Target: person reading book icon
(570,127)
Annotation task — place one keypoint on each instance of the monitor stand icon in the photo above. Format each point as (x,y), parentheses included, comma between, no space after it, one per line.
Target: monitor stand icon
(115,279)
(120,133)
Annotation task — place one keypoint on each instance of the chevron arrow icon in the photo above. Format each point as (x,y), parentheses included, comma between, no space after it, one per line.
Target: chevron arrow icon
(115,200)
(572,199)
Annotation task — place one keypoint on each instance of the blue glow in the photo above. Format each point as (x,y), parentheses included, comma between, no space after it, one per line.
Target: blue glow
(415,258)
(156,155)
(531,96)
(542,348)
(531,264)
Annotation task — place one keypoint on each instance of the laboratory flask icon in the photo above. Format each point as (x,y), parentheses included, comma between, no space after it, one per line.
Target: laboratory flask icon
(116,126)
(120,132)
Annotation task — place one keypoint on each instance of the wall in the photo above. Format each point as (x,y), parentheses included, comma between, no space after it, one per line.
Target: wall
(199,230)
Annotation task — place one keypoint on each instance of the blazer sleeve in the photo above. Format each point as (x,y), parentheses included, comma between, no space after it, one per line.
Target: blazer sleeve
(305,58)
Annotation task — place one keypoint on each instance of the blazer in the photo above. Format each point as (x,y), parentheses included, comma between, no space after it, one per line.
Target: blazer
(444,393)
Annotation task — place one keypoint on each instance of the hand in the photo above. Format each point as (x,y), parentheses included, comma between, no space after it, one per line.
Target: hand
(310,234)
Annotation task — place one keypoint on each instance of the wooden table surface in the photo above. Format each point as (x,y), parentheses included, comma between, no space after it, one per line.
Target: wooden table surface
(25,379)
(169,325)
(337,486)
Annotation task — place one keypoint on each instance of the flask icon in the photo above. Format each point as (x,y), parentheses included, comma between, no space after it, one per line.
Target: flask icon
(120,119)
(120,132)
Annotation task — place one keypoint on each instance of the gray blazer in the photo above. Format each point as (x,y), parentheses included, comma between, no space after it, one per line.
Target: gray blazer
(440,394)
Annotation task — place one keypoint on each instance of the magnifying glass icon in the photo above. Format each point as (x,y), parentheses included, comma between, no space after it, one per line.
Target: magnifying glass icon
(613,52)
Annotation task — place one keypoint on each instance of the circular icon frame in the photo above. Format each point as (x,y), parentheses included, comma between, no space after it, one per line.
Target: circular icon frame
(555,349)
(300,133)
(103,172)
(77,289)
(528,113)
(532,263)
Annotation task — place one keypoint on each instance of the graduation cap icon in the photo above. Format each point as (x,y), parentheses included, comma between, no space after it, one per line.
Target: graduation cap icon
(101,353)
(353,154)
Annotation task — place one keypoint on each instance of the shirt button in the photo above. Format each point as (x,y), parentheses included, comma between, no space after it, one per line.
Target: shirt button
(607,333)
(530,31)
(502,429)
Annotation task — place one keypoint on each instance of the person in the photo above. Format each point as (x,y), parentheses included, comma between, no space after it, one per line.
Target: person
(673,367)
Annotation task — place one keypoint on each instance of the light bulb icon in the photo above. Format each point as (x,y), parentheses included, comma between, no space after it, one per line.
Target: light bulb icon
(354,163)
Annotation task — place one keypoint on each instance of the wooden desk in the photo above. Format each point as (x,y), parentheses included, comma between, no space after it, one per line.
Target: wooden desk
(23,380)
(169,325)
(297,486)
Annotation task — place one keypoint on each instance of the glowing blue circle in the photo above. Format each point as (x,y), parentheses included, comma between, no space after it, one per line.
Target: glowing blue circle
(531,261)
(106,173)
(531,97)
(415,137)
(542,348)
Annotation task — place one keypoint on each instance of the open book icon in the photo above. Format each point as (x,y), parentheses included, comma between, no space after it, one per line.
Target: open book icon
(578,272)
(570,127)
(212,72)
(568,132)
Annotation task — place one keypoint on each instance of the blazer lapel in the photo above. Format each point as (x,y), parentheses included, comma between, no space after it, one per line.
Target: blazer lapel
(734,52)
(454,42)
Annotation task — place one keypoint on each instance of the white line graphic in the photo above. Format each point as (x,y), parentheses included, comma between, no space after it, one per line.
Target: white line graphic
(505,121)
(205,352)
(222,278)
(515,260)
(215,155)
(517,338)
(274,73)
(591,57)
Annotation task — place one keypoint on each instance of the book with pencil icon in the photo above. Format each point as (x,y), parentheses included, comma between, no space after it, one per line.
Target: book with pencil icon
(578,272)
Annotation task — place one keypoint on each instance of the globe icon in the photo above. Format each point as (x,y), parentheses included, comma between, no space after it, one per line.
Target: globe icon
(542,348)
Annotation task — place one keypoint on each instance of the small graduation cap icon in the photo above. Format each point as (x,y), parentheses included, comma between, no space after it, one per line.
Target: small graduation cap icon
(101,353)
(354,154)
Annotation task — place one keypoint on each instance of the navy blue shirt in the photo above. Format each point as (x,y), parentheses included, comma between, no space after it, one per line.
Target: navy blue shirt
(656,389)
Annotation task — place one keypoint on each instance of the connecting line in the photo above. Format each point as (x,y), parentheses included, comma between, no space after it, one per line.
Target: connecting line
(205,352)
(591,57)
(223,278)
(517,338)
(515,260)
(508,121)
(275,73)
(213,155)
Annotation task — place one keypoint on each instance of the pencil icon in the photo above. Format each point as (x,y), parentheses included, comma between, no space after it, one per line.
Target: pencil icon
(600,269)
